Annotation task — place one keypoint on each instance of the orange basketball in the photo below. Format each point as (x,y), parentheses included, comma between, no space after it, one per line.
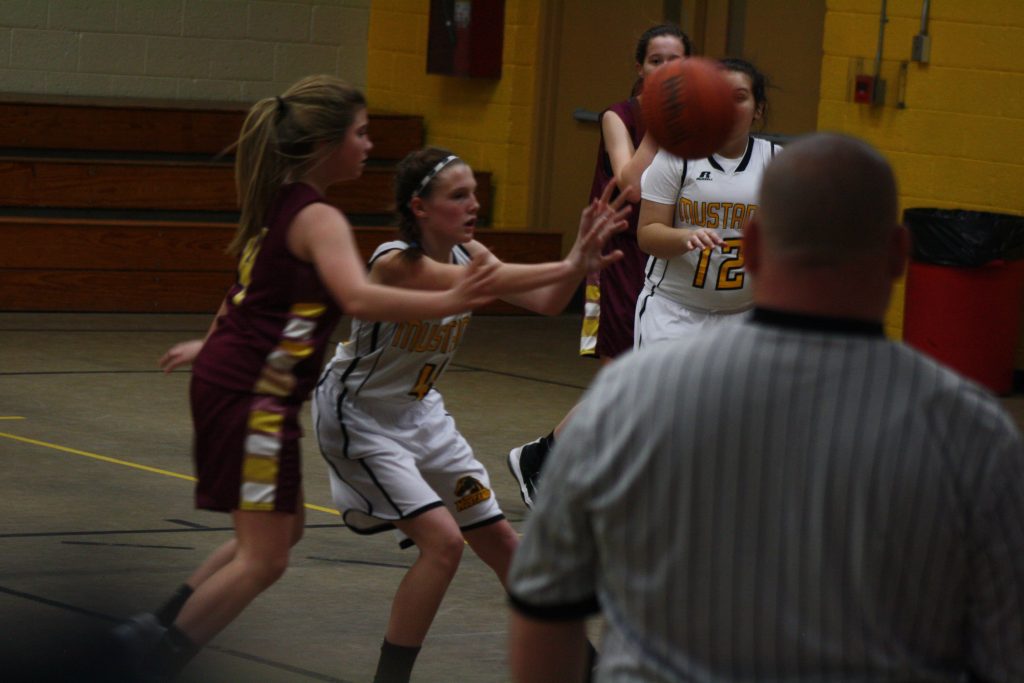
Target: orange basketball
(688,107)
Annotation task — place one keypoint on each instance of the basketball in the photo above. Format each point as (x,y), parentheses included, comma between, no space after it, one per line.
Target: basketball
(688,107)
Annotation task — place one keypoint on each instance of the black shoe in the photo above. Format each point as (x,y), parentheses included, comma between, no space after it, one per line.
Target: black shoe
(133,641)
(524,464)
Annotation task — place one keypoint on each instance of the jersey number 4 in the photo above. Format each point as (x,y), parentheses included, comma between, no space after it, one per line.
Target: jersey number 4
(730,270)
(425,382)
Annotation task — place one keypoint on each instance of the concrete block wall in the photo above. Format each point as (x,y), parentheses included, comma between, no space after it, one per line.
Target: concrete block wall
(486,121)
(233,50)
(957,142)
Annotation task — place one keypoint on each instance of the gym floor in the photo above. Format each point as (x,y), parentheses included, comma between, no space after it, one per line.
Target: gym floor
(99,522)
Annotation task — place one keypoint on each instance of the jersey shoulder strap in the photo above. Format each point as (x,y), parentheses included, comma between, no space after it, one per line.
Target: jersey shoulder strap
(460,255)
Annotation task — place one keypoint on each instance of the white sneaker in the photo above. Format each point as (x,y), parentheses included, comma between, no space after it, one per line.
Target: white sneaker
(526,478)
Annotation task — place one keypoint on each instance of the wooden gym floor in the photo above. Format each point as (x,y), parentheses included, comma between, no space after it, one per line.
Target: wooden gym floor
(98,520)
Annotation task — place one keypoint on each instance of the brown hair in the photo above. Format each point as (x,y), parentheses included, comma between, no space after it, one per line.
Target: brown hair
(409,176)
(279,141)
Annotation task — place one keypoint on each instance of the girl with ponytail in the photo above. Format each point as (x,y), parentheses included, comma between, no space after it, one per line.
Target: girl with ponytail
(298,267)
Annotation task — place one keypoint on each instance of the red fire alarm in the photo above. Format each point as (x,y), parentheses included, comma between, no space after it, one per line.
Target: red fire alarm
(466,37)
(864,89)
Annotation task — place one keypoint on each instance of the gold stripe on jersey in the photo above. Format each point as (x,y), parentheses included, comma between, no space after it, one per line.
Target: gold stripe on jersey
(259,470)
(252,498)
(260,465)
(245,264)
(308,310)
(276,377)
(274,382)
(591,320)
(266,422)
(297,349)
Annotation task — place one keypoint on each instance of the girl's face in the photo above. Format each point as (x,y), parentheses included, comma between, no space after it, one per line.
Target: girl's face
(743,94)
(348,157)
(449,213)
(660,50)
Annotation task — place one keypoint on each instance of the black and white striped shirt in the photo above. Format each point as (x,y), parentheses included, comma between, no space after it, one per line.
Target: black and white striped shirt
(785,499)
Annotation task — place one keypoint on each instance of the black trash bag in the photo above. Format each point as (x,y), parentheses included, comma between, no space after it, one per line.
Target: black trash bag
(956,237)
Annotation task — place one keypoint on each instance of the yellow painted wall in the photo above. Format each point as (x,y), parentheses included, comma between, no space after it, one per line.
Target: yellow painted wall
(958,141)
(486,121)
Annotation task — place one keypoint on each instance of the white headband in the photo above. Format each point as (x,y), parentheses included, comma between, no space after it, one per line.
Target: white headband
(438,167)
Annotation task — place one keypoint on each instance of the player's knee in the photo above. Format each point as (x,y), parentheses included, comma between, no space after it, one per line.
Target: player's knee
(509,539)
(445,552)
(265,571)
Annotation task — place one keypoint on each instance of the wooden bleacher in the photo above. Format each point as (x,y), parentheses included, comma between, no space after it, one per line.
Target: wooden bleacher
(127,206)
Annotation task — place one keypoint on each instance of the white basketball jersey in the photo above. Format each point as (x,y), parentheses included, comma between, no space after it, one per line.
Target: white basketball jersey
(398,362)
(717,193)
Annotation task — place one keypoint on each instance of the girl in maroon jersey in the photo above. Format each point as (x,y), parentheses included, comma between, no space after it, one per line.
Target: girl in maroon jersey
(298,264)
(625,152)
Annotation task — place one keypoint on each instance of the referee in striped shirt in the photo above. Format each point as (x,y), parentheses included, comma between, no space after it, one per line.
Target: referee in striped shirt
(790,498)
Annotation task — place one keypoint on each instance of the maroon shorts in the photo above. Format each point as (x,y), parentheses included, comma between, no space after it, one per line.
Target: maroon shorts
(246,450)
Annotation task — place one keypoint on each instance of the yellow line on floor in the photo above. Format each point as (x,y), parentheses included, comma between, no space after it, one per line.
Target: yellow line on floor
(11,417)
(125,463)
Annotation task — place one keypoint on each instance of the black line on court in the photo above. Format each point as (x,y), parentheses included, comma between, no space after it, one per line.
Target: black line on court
(185,522)
(278,665)
(228,651)
(46,534)
(131,545)
(57,604)
(363,562)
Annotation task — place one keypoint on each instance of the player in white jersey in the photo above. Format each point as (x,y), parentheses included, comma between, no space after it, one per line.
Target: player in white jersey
(396,459)
(691,217)
(691,222)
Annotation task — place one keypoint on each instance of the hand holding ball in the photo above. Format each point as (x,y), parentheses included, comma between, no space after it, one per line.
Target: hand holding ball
(688,107)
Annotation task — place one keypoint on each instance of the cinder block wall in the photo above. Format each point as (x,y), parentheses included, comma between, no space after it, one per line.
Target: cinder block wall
(486,121)
(958,141)
(179,49)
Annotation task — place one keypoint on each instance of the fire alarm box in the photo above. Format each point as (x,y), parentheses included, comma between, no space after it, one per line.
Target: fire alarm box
(864,89)
(466,37)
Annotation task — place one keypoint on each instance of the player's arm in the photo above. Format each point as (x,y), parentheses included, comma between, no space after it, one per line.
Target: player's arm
(547,288)
(656,235)
(320,235)
(627,163)
(543,651)
(544,288)
(398,270)
(185,352)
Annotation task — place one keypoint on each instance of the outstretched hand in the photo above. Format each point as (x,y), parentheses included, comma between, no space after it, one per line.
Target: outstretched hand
(598,222)
(180,354)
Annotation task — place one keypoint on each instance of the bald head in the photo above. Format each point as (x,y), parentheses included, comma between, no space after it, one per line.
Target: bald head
(827,198)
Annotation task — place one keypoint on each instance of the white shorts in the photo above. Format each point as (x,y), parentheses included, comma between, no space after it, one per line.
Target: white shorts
(658,318)
(394,461)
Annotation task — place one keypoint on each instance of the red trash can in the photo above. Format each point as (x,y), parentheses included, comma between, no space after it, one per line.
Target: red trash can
(967,318)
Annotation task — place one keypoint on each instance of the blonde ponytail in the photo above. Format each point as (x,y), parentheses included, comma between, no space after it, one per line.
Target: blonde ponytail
(278,142)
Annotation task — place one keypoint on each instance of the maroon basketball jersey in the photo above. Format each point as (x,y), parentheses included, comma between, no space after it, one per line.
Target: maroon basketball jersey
(279,315)
(622,281)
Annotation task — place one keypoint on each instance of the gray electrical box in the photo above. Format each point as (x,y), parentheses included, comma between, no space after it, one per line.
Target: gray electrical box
(921,49)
